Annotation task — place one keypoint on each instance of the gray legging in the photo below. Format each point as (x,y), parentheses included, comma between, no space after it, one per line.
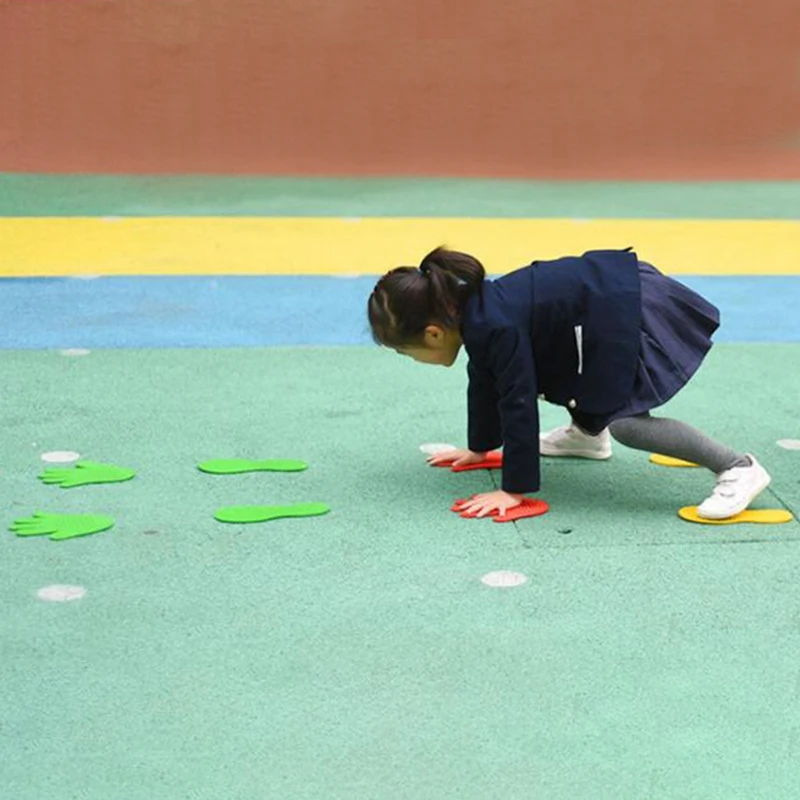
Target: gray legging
(670,437)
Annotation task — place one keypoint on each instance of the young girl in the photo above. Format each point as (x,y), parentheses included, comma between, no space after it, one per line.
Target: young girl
(605,335)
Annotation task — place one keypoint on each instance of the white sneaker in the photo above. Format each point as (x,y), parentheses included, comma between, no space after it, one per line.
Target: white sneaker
(736,488)
(568,440)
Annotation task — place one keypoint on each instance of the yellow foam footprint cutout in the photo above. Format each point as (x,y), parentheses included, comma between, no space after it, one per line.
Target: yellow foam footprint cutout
(766,516)
(669,461)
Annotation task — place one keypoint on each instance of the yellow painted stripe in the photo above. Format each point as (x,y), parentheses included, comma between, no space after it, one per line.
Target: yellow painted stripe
(314,245)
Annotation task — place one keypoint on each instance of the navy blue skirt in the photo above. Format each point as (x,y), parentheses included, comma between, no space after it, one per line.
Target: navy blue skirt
(677,326)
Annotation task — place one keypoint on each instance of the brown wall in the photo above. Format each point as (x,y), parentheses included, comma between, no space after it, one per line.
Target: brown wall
(524,88)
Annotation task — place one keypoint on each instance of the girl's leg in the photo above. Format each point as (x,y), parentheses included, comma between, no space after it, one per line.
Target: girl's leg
(740,478)
(670,437)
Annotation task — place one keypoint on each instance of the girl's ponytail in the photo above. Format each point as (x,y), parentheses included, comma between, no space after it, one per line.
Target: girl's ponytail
(466,268)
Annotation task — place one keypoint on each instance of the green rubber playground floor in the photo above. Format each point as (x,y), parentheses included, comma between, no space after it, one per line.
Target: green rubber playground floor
(357,655)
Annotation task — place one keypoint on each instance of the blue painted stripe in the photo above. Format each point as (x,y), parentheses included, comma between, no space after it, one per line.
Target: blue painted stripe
(258,311)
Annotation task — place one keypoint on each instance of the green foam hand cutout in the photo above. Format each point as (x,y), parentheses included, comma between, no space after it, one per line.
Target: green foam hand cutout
(61,526)
(236,466)
(85,473)
(267,513)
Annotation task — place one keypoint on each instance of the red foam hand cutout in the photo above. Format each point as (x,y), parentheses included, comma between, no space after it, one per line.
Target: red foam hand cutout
(493,460)
(527,508)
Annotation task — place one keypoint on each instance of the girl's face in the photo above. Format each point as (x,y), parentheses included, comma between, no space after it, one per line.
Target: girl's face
(440,346)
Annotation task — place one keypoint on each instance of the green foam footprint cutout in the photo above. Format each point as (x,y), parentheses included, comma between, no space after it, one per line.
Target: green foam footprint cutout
(237,466)
(267,513)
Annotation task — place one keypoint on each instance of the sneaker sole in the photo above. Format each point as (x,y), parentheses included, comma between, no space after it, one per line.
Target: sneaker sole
(763,485)
(591,454)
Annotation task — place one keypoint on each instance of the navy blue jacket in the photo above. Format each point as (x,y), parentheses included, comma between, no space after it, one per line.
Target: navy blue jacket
(567,329)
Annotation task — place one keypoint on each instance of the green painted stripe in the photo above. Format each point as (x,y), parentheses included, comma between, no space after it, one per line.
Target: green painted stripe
(102,195)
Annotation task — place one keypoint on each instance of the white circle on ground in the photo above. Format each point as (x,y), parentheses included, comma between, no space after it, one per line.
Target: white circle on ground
(75,351)
(503,579)
(60,457)
(789,444)
(434,448)
(61,593)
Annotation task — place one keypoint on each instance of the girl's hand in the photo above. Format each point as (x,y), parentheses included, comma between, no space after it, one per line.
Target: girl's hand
(456,458)
(482,504)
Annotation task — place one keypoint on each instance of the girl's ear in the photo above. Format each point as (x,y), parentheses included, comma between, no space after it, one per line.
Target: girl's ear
(434,335)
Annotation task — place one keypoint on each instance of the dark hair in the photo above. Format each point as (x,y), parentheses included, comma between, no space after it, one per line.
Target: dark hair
(408,299)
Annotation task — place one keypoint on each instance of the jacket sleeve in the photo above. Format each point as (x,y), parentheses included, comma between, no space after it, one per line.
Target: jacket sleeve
(515,413)
(484,431)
